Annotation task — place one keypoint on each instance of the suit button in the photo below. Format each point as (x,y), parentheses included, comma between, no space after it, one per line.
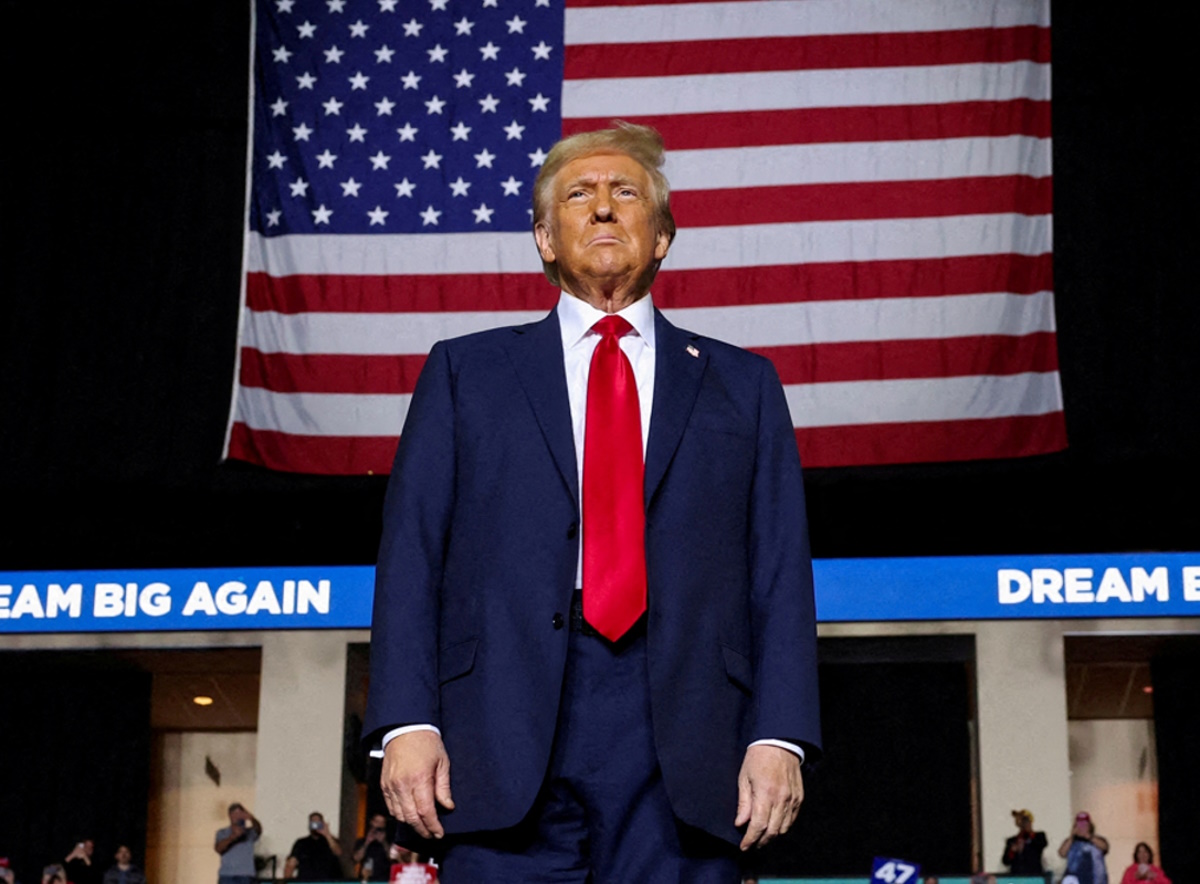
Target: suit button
(572,531)
(558,621)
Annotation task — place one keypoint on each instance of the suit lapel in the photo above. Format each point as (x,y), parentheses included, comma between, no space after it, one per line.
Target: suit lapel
(537,354)
(678,368)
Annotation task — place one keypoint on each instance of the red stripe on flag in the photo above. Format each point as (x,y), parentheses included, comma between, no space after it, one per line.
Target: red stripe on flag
(324,455)
(859,201)
(833,125)
(330,373)
(939,358)
(848,280)
(799,364)
(932,441)
(819,52)
(819,447)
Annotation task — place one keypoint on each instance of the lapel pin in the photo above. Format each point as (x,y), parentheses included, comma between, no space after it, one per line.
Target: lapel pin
(693,351)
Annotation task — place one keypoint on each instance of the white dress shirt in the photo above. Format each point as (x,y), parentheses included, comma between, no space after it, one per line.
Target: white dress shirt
(575,319)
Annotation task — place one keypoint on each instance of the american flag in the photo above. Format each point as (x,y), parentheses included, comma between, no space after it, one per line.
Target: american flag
(863,190)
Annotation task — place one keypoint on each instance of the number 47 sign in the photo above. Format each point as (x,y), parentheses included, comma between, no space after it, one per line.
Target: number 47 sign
(894,871)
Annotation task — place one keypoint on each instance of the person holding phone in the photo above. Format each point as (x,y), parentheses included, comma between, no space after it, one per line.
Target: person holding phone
(235,843)
(78,866)
(1084,852)
(315,857)
(1143,870)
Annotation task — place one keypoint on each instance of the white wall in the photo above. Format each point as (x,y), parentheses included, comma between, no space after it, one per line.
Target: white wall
(187,807)
(1023,742)
(301,715)
(1114,777)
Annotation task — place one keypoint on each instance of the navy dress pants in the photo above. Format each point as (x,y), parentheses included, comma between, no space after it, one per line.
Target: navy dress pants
(602,816)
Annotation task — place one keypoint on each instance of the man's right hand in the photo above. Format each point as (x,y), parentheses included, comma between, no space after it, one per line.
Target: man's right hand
(416,778)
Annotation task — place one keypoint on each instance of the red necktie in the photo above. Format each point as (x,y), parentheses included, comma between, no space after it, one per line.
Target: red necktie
(614,516)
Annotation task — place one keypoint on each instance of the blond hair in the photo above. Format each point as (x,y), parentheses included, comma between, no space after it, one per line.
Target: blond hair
(641,143)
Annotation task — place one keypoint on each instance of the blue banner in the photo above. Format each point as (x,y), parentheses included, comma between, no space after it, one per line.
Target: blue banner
(847,590)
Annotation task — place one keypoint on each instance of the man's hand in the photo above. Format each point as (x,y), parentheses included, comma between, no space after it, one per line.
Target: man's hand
(416,774)
(770,790)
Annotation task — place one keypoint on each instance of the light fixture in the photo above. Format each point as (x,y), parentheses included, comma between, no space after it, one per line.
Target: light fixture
(1148,689)
(202,701)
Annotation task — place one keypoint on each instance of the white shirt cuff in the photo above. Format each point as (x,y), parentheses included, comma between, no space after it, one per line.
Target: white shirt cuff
(782,744)
(401,731)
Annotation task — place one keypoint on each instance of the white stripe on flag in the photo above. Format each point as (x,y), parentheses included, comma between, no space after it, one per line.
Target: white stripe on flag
(394,254)
(811,405)
(695,248)
(887,240)
(880,161)
(764,325)
(787,90)
(792,18)
(856,403)
(323,414)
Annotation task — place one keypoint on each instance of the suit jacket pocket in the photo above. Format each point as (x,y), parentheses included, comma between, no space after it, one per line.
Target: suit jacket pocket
(738,668)
(456,660)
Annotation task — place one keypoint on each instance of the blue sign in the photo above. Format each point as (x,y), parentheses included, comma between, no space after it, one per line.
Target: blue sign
(1008,587)
(847,590)
(894,871)
(211,598)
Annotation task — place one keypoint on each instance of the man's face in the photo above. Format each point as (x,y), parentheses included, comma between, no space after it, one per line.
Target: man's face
(123,855)
(601,227)
(378,823)
(89,847)
(316,822)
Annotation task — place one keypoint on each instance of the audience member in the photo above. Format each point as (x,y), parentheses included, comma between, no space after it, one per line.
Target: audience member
(6,872)
(931,879)
(1023,851)
(1084,852)
(124,872)
(372,852)
(1143,868)
(235,843)
(54,874)
(78,864)
(315,856)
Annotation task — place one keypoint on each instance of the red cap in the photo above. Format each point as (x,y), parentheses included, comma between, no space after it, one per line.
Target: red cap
(1082,816)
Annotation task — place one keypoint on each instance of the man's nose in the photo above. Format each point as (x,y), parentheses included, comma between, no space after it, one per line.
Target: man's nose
(602,209)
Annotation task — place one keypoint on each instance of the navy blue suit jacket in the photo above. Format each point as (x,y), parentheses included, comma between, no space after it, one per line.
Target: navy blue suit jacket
(478,560)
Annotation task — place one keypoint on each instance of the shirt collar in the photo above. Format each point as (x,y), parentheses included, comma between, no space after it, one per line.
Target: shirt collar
(576,317)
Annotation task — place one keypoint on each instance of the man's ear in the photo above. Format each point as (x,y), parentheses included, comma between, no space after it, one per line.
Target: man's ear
(542,236)
(661,244)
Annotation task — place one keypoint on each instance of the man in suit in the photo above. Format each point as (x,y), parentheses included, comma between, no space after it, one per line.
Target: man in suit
(594,593)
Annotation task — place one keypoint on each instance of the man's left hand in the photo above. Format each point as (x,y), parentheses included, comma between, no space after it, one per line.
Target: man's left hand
(770,790)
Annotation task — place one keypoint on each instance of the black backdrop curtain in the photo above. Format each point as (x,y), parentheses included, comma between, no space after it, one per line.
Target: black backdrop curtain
(1176,680)
(896,777)
(74,758)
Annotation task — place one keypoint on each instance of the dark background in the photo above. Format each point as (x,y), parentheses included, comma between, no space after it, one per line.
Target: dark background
(122,213)
(123,197)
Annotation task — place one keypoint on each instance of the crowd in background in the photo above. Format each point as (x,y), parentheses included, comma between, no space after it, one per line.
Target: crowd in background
(1085,852)
(318,856)
(82,866)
